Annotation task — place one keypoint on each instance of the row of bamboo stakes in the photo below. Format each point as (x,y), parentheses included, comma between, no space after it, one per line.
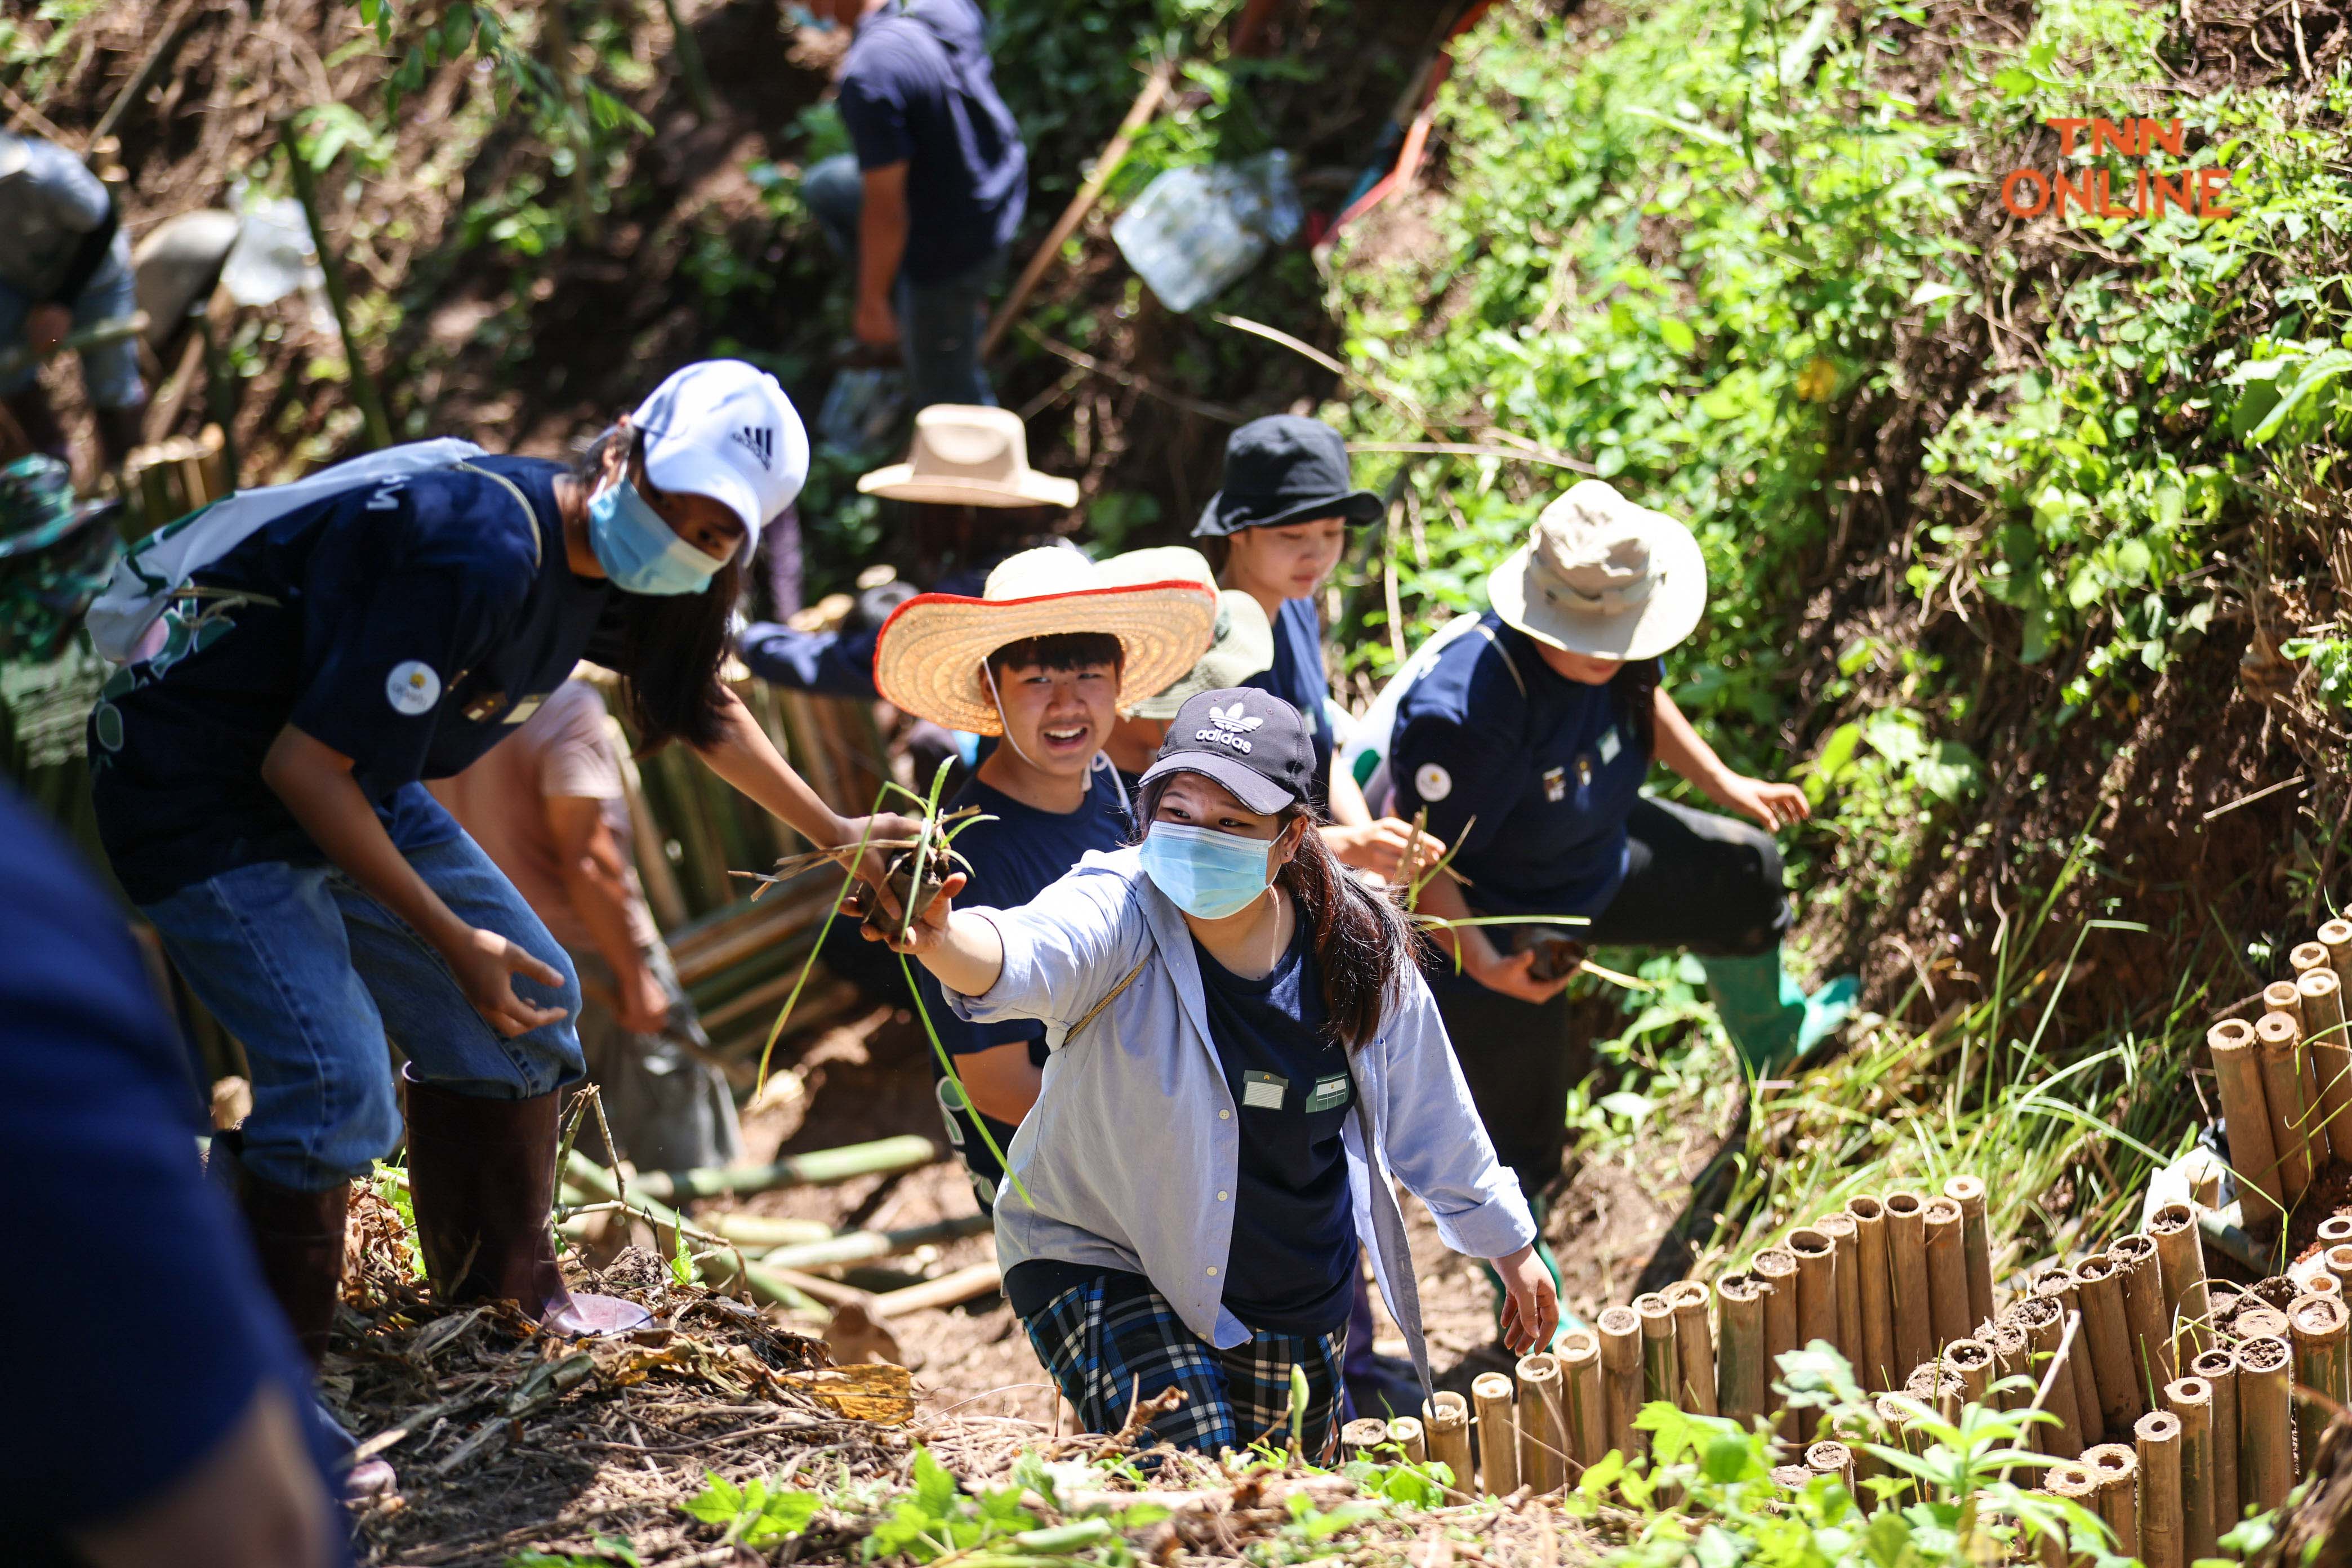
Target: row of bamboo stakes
(2285,1080)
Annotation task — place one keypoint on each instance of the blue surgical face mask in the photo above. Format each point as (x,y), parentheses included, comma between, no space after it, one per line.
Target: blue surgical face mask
(1205,872)
(638,551)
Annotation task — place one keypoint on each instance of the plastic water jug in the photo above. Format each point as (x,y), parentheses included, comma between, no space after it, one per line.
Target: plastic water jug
(1194,230)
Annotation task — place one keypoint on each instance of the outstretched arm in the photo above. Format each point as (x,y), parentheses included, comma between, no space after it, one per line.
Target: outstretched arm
(1686,750)
(960,948)
(746,759)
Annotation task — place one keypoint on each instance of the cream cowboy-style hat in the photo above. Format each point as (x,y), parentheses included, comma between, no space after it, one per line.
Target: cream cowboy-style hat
(928,658)
(964,455)
(1240,644)
(1603,576)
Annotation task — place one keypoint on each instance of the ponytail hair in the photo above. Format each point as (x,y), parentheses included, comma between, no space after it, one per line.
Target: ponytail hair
(1364,944)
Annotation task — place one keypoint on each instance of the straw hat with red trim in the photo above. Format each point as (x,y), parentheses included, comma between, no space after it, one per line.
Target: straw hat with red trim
(928,658)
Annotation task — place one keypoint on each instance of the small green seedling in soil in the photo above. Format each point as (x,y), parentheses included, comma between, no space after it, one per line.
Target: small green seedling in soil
(751,1513)
(603,1552)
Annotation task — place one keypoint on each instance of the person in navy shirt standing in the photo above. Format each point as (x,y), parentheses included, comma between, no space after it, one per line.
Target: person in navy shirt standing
(1279,523)
(1527,741)
(928,204)
(258,787)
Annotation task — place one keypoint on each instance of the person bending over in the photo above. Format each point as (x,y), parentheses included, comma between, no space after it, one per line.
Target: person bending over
(64,263)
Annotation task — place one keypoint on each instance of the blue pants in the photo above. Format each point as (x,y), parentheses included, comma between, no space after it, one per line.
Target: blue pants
(110,373)
(940,323)
(314,976)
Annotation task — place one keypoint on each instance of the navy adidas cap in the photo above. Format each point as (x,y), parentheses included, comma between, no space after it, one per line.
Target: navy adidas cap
(1251,741)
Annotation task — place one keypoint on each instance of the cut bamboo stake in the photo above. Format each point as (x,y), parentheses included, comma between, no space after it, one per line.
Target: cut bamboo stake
(1877,1369)
(1947,1272)
(2116,1465)
(1972,1361)
(1499,1433)
(1741,1385)
(1777,1267)
(1446,1421)
(2044,1328)
(2307,956)
(1846,1237)
(857,1246)
(2181,1259)
(2238,1078)
(2334,1229)
(1939,1387)
(2059,1286)
(2100,1289)
(2190,1401)
(2330,1052)
(1407,1433)
(2151,1340)
(1543,1436)
(1816,1287)
(1620,1373)
(2266,1423)
(1976,1242)
(2010,1350)
(1363,1437)
(2336,936)
(2317,1323)
(1584,1397)
(2278,1038)
(2281,996)
(2338,1258)
(2075,1482)
(1832,1458)
(1695,1393)
(2218,1370)
(2163,1528)
(2323,1283)
(820,1167)
(1661,1357)
(1906,1255)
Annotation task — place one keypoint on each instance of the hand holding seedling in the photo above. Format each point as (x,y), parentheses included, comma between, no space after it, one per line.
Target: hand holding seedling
(922,935)
(1530,1301)
(1388,849)
(856,849)
(1513,976)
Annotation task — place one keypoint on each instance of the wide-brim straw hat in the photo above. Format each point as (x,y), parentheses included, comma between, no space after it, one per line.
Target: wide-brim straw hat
(965,455)
(1601,576)
(928,658)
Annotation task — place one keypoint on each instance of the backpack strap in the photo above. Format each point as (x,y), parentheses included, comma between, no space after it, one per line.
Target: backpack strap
(1096,1010)
(521,499)
(1508,662)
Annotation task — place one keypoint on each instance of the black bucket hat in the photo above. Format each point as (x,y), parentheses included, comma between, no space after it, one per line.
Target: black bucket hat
(1284,469)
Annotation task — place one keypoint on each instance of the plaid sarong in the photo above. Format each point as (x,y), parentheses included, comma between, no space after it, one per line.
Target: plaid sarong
(1114,1338)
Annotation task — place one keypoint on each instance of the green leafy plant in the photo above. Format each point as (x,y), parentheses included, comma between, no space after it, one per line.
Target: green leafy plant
(604,1551)
(752,1513)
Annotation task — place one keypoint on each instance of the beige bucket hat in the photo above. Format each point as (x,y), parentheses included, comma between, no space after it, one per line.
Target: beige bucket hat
(964,455)
(1241,643)
(1600,576)
(929,657)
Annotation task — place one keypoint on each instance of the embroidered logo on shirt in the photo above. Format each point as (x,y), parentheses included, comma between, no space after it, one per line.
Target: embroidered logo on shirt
(1263,1090)
(412,688)
(1432,783)
(760,442)
(1609,745)
(1555,783)
(1329,1093)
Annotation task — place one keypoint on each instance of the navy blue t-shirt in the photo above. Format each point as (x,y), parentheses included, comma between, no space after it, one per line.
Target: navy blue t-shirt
(1297,678)
(1291,1267)
(918,90)
(119,1384)
(410,626)
(1547,766)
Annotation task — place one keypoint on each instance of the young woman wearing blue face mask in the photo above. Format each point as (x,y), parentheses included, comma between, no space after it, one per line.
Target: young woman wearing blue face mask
(1244,1051)
(257,764)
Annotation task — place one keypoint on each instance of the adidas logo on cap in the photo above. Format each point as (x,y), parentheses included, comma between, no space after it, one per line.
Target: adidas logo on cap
(762,441)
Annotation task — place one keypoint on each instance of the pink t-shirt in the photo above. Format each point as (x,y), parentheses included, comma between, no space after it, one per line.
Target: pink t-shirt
(568,747)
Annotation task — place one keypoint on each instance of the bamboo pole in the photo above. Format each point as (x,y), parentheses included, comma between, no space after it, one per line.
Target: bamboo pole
(1741,1384)
(760,1230)
(1777,1267)
(1364,1437)
(1543,1436)
(717,1269)
(2217,1369)
(1877,1369)
(1499,1433)
(2151,1340)
(2336,936)
(1408,1434)
(1907,1255)
(2334,1229)
(1584,1401)
(2266,1423)
(2281,996)
(857,1246)
(2066,1292)
(1620,1373)
(1976,1242)
(2238,1078)
(2338,1260)
(2010,1359)
(2190,1402)
(1832,1458)
(2307,956)
(2318,1323)
(2163,1527)
(2075,1482)
(1947,1271)
(1696,1392)
(1939,1387)
(818,1168)
(1845,1236)
(2045,1328)
(2099,1288)
(1446,1422)
(2278,1037)
(1972,1361)
(1662,1358)
(2116,1468)
(1816,1256)
(2330,1052)
(2180,1260)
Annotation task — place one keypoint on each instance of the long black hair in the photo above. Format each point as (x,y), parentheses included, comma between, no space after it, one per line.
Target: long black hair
(1637,687)
(671,645)
(1364,945)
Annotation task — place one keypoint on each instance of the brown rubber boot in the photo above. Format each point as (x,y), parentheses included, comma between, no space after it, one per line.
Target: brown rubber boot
(481,1174)
(299,1237)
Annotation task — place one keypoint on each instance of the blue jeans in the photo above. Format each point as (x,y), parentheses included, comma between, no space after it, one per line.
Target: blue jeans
(314,976)
(109,373)
(940,323)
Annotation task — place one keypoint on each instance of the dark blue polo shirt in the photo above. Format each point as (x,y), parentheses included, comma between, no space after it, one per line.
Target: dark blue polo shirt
(1297,677)
(1547,767)
(410,626)
(1290,1269)
(918,90)
(120,1381)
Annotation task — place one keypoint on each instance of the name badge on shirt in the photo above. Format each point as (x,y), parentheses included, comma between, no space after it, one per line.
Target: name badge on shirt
(1329,1093)
(1609,745)
(526,707)
(479,709)
(1263,1090)
(1555,783)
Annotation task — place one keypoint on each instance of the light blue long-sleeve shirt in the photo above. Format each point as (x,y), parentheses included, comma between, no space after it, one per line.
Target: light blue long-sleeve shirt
(1129,1156)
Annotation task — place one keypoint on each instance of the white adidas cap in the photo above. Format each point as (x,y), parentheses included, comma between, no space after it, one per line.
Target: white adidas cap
(725,429)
